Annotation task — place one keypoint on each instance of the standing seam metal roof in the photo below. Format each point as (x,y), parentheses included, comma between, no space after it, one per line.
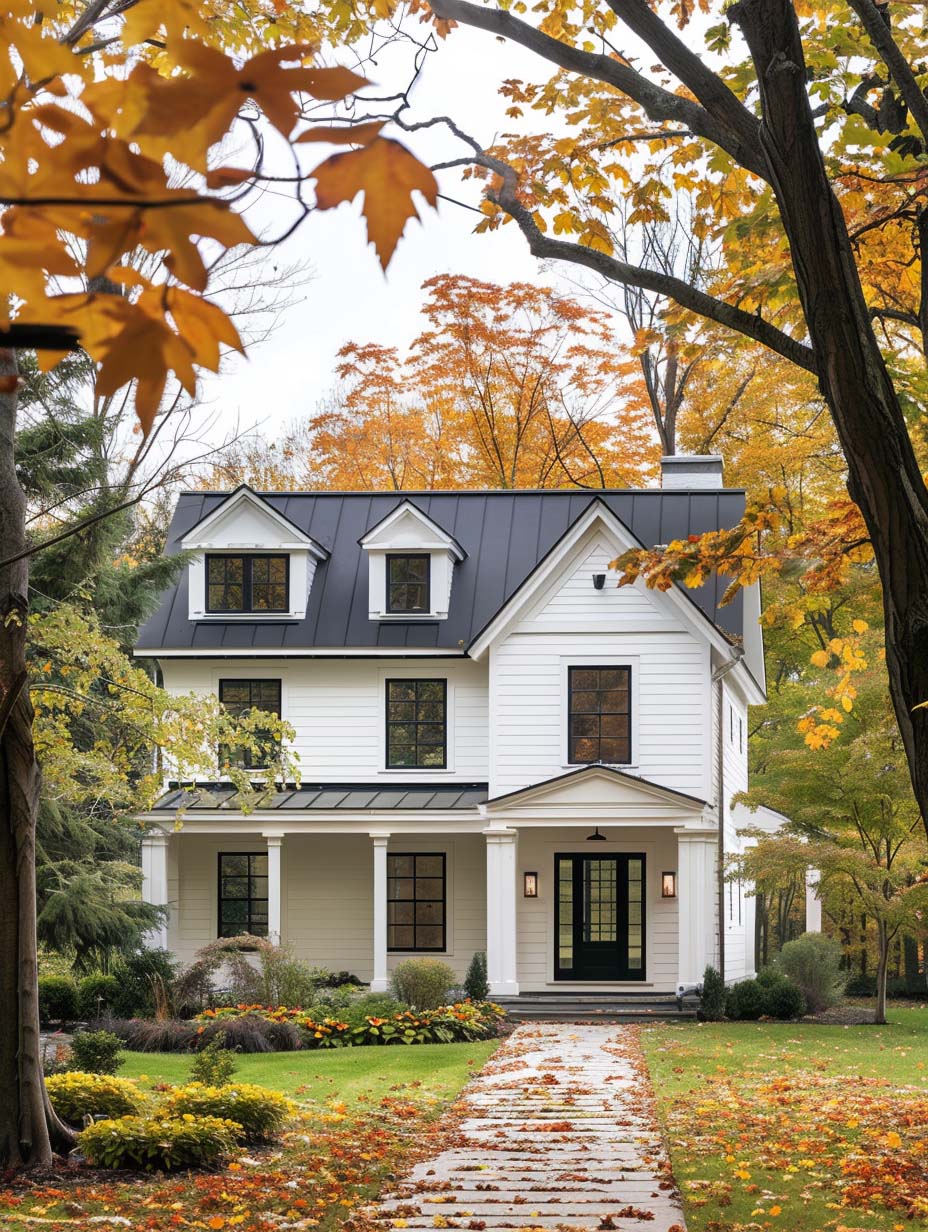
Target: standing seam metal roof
(505,534)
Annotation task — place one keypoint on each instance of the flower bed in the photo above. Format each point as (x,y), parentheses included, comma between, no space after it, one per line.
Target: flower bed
(464,1021)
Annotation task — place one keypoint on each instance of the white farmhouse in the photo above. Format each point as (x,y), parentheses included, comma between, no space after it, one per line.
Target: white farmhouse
(500,749)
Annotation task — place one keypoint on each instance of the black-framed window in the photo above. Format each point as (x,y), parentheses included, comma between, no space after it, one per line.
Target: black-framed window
(240,697)
(599,714)
(242,893)
(416,885)
(247,583)
(417,724)
(408,583)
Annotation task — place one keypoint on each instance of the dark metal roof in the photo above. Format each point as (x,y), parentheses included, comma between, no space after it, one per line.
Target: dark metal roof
(505,535)
(324,797)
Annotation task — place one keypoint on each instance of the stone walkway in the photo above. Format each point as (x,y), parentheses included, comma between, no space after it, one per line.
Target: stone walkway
(558,1130)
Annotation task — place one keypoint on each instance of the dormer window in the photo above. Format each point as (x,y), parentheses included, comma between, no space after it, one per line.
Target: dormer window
(247,583)
(408,583)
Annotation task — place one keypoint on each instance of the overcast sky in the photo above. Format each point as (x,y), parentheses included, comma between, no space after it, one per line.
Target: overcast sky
(349,298)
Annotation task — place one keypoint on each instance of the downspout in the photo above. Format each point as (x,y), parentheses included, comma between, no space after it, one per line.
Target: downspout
(737,654)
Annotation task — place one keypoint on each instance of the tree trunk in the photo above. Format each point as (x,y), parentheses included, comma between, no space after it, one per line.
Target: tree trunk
(883,475)
(29,1130)
(882,970)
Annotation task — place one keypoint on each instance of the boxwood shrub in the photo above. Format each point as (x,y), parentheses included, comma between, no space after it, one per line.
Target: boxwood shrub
(158,1143)
(75,1096)
(261,1114)
(57,998)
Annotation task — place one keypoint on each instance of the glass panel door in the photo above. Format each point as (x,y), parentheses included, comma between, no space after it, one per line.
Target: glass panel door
(599,917)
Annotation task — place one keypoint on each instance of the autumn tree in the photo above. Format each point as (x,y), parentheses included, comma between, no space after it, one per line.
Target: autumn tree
(102,104)
(803,131)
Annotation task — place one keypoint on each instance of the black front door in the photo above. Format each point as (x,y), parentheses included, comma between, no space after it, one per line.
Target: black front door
(599,917)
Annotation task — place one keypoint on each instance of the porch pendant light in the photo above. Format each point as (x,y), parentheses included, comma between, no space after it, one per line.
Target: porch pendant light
(596,837)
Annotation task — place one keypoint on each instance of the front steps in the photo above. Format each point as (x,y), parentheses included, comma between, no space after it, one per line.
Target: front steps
(597,1007)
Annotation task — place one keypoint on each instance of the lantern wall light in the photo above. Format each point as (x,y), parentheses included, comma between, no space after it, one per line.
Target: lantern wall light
(668,885)
(530,885)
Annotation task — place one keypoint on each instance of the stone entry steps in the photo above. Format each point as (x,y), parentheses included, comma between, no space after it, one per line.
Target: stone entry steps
(557,1131)
(596,1007)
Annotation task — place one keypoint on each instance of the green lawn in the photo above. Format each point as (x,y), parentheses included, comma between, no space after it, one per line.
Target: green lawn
(345,1074)
(795,1125)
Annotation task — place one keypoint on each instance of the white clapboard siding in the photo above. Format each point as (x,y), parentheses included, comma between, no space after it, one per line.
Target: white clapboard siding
(337,708)
(738,946)
(327,895)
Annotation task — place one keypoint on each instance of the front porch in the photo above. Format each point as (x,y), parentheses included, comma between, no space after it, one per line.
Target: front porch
(594,883)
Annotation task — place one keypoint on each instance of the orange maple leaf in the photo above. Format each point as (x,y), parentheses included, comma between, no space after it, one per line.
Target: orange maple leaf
(388,174)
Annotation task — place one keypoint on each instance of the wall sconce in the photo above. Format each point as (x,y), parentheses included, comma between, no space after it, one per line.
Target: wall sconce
(599,581)
(530,885)
(668,885)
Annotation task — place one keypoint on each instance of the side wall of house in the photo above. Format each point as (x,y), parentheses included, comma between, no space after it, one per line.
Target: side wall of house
(737,909)
(338,710)
(577,625)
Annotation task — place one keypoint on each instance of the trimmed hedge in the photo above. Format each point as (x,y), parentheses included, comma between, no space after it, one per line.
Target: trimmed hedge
(159,1143)
(57,998)
(261,1114)
(75,1096)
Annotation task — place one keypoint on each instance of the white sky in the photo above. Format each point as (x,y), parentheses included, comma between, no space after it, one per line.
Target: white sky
(349,299)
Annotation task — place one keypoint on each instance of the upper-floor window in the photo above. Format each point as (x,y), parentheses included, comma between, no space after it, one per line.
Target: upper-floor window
(599,715)
(408,583)
(242,893)
(417,724)
(241,697)
(247,583)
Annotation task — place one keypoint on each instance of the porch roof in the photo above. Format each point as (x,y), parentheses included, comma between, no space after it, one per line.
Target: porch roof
(327,797)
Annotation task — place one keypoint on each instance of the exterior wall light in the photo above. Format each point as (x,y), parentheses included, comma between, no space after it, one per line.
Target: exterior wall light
(668,885)
(599,581)
(530,885)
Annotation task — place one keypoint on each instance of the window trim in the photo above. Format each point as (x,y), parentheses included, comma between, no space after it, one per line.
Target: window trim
(405,611)
(629,668)
(443,681)
(247,609)
(220,899)
(443,948)
(252,680)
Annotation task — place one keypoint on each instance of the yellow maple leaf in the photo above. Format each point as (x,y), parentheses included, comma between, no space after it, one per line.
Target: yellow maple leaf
(388,174)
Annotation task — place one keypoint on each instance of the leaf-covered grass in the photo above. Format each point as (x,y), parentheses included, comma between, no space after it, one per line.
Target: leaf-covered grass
(364,1113)
(794,1125)
(343,1073)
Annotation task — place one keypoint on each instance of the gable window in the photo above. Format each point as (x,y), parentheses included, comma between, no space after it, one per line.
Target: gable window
(246,583)
(408,584)
(417,725)
(599,715)
(416,902)
(240,697)
(242,893)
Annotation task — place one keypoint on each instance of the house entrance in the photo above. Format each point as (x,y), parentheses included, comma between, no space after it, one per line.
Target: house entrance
(599,917)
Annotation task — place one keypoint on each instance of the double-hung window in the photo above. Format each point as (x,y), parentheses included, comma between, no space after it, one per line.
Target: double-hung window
(417,724)
(416,902)
(247,583)
(599,715)
(242,893)
(408,584)
(240,697)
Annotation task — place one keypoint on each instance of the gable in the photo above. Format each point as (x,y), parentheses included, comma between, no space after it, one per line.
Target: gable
(245,520)
(597,792)
(407,528)
(571,602)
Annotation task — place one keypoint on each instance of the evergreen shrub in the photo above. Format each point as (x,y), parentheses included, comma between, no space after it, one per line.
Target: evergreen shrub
(97,1052)
(57,998)
(423,983)
(476,984)
(813,962)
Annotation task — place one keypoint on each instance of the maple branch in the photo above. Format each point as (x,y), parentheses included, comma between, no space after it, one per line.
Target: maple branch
(658,103)
(715,96)
(874,21)
(682,292)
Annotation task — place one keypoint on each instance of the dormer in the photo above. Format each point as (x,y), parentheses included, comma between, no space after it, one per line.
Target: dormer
(252,563)
(410,566)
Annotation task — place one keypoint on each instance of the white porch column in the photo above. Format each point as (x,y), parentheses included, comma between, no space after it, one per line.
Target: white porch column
(381,980)
(813,902)
(696,904)
(274,895)
(502,945)
(155,884)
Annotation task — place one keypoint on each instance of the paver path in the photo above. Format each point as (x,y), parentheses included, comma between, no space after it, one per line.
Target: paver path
(558,1130)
